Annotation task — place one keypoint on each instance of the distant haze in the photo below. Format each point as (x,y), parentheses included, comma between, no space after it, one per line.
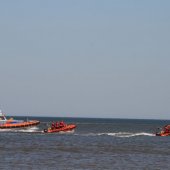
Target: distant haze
(91,58)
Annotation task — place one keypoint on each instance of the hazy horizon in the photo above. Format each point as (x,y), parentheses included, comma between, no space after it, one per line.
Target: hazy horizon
(94,58)
(25,116)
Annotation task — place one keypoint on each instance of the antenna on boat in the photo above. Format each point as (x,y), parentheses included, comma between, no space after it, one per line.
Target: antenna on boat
(0,109)
(1,113)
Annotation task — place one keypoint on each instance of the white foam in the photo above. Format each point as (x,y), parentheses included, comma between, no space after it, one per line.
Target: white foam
(26,130)
(128,134)
(66,132)
(30,129)
(120,134)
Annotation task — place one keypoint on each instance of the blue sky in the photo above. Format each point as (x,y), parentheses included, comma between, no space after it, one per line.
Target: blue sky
(90,58)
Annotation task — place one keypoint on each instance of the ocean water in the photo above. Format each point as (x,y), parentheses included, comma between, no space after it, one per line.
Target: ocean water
(95,144)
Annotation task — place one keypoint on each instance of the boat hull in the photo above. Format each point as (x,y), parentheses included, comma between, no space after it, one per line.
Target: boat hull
(162,134)
(62,129)
(19,125)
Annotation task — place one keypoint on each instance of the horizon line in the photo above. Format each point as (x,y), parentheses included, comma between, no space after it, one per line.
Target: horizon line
(88,117)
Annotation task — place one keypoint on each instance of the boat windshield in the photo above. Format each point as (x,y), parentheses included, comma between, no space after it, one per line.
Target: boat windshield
(2,118)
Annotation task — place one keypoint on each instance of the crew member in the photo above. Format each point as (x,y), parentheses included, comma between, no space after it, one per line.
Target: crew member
(62,124)
(56,125)
(53,125)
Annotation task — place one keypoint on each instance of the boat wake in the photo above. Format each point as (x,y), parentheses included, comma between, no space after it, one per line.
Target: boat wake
(126,134)
(30,130)
(23,130)
(121,134)
(67,132)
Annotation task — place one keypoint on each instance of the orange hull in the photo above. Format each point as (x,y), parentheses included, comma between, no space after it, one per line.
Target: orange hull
(20,124)
(63,129)
(163,134)
(165,131)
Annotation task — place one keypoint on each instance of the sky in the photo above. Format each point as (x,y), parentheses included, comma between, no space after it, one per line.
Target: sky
(91,58)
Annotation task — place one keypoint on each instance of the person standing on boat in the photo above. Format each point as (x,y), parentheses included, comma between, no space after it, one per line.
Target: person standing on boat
(53,125)
(167,129)
(62,124)
(56,125)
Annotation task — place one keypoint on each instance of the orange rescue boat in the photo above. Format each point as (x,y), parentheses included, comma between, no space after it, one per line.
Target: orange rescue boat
(11,123)
(65,128)
(19,124)
(164,132)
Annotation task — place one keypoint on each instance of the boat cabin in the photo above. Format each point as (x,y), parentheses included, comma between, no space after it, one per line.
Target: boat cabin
(2,118)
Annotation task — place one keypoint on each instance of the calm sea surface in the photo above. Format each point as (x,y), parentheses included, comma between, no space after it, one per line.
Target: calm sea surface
(95,144)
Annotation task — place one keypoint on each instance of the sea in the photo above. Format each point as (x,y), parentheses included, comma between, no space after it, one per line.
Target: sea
(113,144)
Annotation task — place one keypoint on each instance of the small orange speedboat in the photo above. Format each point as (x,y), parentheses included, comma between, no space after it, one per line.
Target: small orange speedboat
(65,128)
(165,131)
(11,123)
